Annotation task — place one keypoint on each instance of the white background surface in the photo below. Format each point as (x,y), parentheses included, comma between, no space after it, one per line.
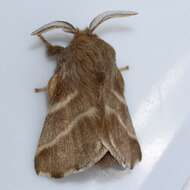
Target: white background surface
(156,46)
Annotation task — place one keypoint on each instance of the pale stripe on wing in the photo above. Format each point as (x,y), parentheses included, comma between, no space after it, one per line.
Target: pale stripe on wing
(91,112)
(61,104)
(110,110)
(118,96)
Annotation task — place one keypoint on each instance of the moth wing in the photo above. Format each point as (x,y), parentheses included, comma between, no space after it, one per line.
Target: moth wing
(118,133)
(69,140)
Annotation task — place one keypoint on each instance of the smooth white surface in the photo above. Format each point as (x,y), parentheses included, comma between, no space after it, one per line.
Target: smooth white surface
(156,46)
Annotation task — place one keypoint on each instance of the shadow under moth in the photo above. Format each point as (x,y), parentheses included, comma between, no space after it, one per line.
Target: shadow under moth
(88,117)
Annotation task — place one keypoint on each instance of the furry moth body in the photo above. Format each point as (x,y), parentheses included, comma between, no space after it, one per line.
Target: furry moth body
(88,116)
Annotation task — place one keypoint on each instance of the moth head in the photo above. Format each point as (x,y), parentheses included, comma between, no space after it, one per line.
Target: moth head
(67,27)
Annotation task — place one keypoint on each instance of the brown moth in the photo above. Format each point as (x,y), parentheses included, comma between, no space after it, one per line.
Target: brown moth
(88,117)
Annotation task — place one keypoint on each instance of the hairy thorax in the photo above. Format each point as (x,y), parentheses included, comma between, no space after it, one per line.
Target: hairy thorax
(90,59)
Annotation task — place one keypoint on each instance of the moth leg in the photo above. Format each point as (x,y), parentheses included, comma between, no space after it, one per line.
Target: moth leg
(124,68)
(51,49)
(43,89)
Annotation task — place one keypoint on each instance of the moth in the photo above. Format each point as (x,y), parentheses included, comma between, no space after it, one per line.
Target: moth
(88,117)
